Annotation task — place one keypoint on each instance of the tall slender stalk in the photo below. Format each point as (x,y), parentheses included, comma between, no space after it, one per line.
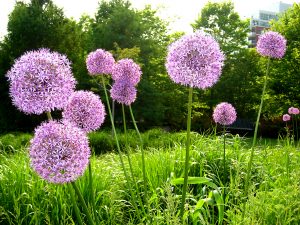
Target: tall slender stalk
(126,143)
(129,159)
(77,211)
(78,194)
(118,146)
(254,138)
(83,204)
(187,152)
(261,103)
(92,193)
(224,156)
(142,151)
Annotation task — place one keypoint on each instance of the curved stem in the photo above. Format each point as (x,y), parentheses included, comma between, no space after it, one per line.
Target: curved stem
(187,152)
(254,138)
(77,211)
(261,103)
(81,199)
(118,145)
(224,157)
(92,193)
(126,143)
(129,159)
(142,150)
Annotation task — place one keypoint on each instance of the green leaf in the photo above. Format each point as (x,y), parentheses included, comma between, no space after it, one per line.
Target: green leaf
(191,180)
(220,204)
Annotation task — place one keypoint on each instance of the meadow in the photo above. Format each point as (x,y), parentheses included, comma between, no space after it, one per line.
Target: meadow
(273,196)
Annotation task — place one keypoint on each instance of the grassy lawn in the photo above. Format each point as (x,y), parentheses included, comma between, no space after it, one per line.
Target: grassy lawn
(274,196)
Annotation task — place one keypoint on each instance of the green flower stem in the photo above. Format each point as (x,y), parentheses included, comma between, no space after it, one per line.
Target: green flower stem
(296,129)
(126,142)
(261,104)
(129,159)
(77,212)
(117,143)
(254,138)
(49,116)
(92,193)
(142,151)
(187,152)
(85,208)
(224,157)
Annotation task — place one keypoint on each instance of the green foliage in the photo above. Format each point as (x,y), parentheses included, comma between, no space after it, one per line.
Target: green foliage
(273,199)
(284,84)
(220,20)
(38,24)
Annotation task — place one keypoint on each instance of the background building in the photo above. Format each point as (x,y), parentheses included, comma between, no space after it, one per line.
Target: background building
(260,22)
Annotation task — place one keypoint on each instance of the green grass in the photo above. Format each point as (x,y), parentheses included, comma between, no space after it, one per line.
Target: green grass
(274,196)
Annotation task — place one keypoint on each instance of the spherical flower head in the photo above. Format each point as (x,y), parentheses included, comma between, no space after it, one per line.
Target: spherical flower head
(293,111)
(123,92)
(40,81)
(224,114)
(271,44)
(286,117)
(195,60)
(127,70)
(100,62)
(59,152)
(85,110)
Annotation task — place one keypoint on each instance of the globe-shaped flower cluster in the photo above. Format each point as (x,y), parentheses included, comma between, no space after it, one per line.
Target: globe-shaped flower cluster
(126,75)
(271,44)
(85,110)
(100,62)
(127,70)
(224,114)
(59,153)
(195,60)
(286,117)
(293,111)
(41,81)
(123,92)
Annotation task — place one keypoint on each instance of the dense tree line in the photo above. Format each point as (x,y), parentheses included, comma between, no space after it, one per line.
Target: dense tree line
(143,36)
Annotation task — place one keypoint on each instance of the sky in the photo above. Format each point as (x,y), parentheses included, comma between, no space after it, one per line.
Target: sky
(180,13)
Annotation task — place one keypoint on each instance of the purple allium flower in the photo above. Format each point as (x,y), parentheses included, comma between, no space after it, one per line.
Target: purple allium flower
(286,117)
(100,62)
(127,70)
(123,92)
(59,152)
(41,81)
(293,111)
(195,60)
(85,109)
(224,114)
(271,44)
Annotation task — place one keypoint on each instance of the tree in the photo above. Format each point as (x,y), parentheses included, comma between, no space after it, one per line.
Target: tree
(220,20)
(118,25)
(285,83)
(38,24)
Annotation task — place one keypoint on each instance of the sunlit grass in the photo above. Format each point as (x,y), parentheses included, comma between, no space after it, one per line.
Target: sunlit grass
(274,196)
